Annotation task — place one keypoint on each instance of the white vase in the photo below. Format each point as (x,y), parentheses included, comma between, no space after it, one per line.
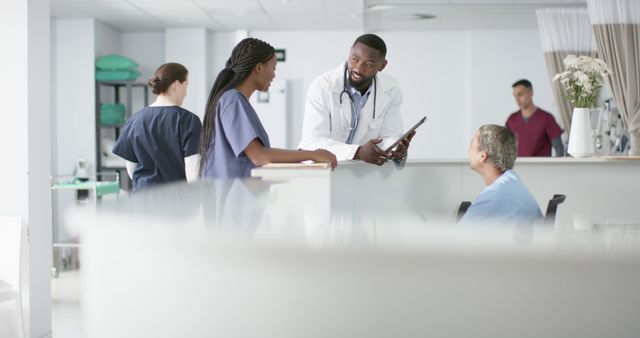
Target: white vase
(580,137)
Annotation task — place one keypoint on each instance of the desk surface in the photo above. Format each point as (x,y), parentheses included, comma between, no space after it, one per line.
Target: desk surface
(321,169)
(264,210)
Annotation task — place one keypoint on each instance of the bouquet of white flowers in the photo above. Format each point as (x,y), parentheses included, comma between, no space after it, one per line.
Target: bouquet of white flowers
(582,78)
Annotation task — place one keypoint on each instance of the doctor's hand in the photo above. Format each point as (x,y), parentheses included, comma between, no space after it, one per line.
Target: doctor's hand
(400,153)
(324,156)
(371,153)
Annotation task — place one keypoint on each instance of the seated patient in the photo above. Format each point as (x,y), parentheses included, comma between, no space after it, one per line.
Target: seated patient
(505,200)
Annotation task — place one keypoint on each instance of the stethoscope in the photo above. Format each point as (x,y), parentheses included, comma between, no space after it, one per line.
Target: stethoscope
(354,121)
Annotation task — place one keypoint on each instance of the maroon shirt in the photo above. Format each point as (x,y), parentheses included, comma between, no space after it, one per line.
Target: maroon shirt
(534,136)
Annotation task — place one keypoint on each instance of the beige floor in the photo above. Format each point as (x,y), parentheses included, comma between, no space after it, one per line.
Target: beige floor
(65,305)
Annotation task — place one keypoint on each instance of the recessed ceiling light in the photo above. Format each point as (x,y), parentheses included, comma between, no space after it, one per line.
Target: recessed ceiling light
(415,16)
(381,7)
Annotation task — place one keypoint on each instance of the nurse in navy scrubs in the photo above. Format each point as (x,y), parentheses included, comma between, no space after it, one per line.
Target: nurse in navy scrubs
(160,142)
(233,140)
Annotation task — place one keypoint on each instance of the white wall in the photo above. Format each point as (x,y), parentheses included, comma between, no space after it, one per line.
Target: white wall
(53,62)
(498,59)
(460,80)
(78,43)
(308,54)
(53,128)
(147,49)
(14,139)
(220,46)
(75,111)
(188,46)
(433,70)
(39,155)
(25,146)
(108,40)
(74,114)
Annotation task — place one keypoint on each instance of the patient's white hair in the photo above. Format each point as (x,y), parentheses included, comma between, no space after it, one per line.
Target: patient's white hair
(500,144)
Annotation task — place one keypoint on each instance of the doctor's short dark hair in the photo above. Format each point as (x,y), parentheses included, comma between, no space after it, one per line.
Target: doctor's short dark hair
(500,144)
(374,42)
(522,82)
(166,75)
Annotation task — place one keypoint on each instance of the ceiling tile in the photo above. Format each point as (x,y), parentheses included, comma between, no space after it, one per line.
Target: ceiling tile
(308,14)
(62,9)
(238,7)
(249,21)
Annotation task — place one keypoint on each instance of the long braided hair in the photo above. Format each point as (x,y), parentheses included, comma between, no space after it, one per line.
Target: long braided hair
(245,56)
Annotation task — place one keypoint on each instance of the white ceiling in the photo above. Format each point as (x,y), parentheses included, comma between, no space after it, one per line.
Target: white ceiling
(369,15)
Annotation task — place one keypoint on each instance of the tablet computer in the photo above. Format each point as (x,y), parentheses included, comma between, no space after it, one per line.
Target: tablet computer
(390,148)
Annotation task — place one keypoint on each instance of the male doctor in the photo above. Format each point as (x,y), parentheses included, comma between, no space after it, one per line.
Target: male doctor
(353,111)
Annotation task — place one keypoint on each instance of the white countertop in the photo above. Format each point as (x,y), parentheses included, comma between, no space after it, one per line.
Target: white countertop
(260,210)
(594,159)
(284,170)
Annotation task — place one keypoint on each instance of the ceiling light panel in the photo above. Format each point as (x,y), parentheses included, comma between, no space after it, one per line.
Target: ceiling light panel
(237,7)
(107,7)
(177,13)
(248,21)
(295,14)
(371,3)
(344,14)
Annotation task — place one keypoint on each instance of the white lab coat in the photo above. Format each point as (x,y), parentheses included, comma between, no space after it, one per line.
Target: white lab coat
(319,130)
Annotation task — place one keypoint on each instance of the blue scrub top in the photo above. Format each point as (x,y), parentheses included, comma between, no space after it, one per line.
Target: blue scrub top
(507,201)
(237,124)
(158,139)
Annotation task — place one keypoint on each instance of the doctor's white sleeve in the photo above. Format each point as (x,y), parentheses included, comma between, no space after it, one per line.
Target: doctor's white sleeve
(316,128)
(392,126)
(131,167)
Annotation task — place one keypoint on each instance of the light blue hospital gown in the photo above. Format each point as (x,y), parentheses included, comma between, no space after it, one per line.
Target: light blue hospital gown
(505,201)
(237,124)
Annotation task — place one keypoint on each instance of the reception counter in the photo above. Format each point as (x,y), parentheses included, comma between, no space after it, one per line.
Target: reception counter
(600,189)
(364,251)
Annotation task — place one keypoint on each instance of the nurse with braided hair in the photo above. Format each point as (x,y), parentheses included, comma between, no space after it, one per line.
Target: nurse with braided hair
(233,140)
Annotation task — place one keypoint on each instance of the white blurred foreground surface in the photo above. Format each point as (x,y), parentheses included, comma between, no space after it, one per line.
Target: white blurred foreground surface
(254,258)
(13,244)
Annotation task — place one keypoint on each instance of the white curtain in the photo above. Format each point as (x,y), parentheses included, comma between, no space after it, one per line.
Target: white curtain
(616,25)
(564,31)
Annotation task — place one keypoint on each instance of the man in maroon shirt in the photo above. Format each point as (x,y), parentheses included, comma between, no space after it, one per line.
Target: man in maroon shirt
(535,129)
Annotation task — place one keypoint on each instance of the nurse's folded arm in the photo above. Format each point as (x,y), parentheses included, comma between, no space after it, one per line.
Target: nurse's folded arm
(259,155)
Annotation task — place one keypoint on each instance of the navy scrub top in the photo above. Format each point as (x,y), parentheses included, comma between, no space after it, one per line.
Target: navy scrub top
(158,139)
(237,124)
